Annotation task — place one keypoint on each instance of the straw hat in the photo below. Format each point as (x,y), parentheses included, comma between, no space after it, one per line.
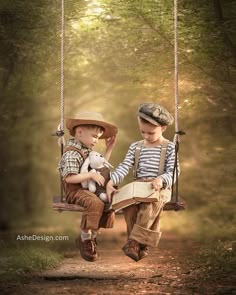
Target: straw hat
(91,118)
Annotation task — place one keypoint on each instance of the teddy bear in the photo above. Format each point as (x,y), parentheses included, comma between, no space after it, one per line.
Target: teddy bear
(95,162)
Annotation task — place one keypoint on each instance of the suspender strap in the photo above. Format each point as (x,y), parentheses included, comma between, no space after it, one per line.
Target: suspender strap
(73,148)
(136,157)
(163,156)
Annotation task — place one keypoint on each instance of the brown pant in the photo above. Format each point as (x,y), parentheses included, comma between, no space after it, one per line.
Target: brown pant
(143,222)
(93,216)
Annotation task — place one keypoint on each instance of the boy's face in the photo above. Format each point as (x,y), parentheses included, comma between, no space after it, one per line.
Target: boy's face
(88,136)
(150,132)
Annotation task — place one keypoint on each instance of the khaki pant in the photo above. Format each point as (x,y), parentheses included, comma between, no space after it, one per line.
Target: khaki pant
(143,222)
(93,216)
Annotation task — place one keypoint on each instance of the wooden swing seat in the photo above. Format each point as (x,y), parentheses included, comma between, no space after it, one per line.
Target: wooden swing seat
(64,206)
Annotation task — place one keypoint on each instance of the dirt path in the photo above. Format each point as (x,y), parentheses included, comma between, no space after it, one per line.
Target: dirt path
(166,271)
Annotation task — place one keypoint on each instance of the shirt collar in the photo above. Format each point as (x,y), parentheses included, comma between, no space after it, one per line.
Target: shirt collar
(78,144)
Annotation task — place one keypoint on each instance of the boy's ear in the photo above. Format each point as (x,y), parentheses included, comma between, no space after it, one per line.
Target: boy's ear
(163,128)
(78,130)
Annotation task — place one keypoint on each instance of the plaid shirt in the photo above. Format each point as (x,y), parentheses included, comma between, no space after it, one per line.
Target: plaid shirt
(72,161)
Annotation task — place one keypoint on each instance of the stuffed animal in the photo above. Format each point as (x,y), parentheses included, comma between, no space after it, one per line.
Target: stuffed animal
(95,162)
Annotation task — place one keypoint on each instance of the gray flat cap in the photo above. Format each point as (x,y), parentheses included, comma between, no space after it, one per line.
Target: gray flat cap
(155,114)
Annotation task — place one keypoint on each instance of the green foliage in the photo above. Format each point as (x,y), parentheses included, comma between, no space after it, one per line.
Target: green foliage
(217,260)
(17,262)
(34,249)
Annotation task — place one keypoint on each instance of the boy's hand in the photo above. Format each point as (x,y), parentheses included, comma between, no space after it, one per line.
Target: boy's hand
(110,142)
(157,184)
(98,178)
(110,190)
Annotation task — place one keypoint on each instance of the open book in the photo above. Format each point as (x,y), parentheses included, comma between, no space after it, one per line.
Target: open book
(134,193)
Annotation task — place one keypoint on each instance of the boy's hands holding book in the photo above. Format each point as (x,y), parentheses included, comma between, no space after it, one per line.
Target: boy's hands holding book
(110,190)
(134,193)
(157,184)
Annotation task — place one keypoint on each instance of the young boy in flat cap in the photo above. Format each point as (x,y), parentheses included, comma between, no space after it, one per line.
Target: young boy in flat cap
(143,220)
(86,129)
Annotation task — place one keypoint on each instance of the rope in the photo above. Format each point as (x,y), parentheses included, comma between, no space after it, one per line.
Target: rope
(176,137)
(61,139)
(60,129)
(62,64)
(176,90)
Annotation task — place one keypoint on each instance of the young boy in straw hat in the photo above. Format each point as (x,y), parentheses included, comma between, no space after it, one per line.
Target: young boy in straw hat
(142,220)
(86,129)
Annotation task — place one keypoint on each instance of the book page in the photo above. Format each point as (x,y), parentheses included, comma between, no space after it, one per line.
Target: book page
(142,189)
(125,192)
(132,190)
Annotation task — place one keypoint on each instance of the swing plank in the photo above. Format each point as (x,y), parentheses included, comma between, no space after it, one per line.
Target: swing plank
(175,206)
(64,206)
(61,206)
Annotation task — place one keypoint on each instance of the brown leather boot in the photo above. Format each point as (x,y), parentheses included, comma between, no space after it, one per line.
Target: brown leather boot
(143,252)
(131,249)
(88,249)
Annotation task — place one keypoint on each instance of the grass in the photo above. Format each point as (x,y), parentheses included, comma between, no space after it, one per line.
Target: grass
(22,258)
(18,263)
(215,232)
(217,261)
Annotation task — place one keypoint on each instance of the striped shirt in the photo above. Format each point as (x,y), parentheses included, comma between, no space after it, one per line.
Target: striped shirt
(72,161)
(149,162)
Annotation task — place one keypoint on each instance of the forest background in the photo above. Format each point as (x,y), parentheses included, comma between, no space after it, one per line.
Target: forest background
(118,54)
